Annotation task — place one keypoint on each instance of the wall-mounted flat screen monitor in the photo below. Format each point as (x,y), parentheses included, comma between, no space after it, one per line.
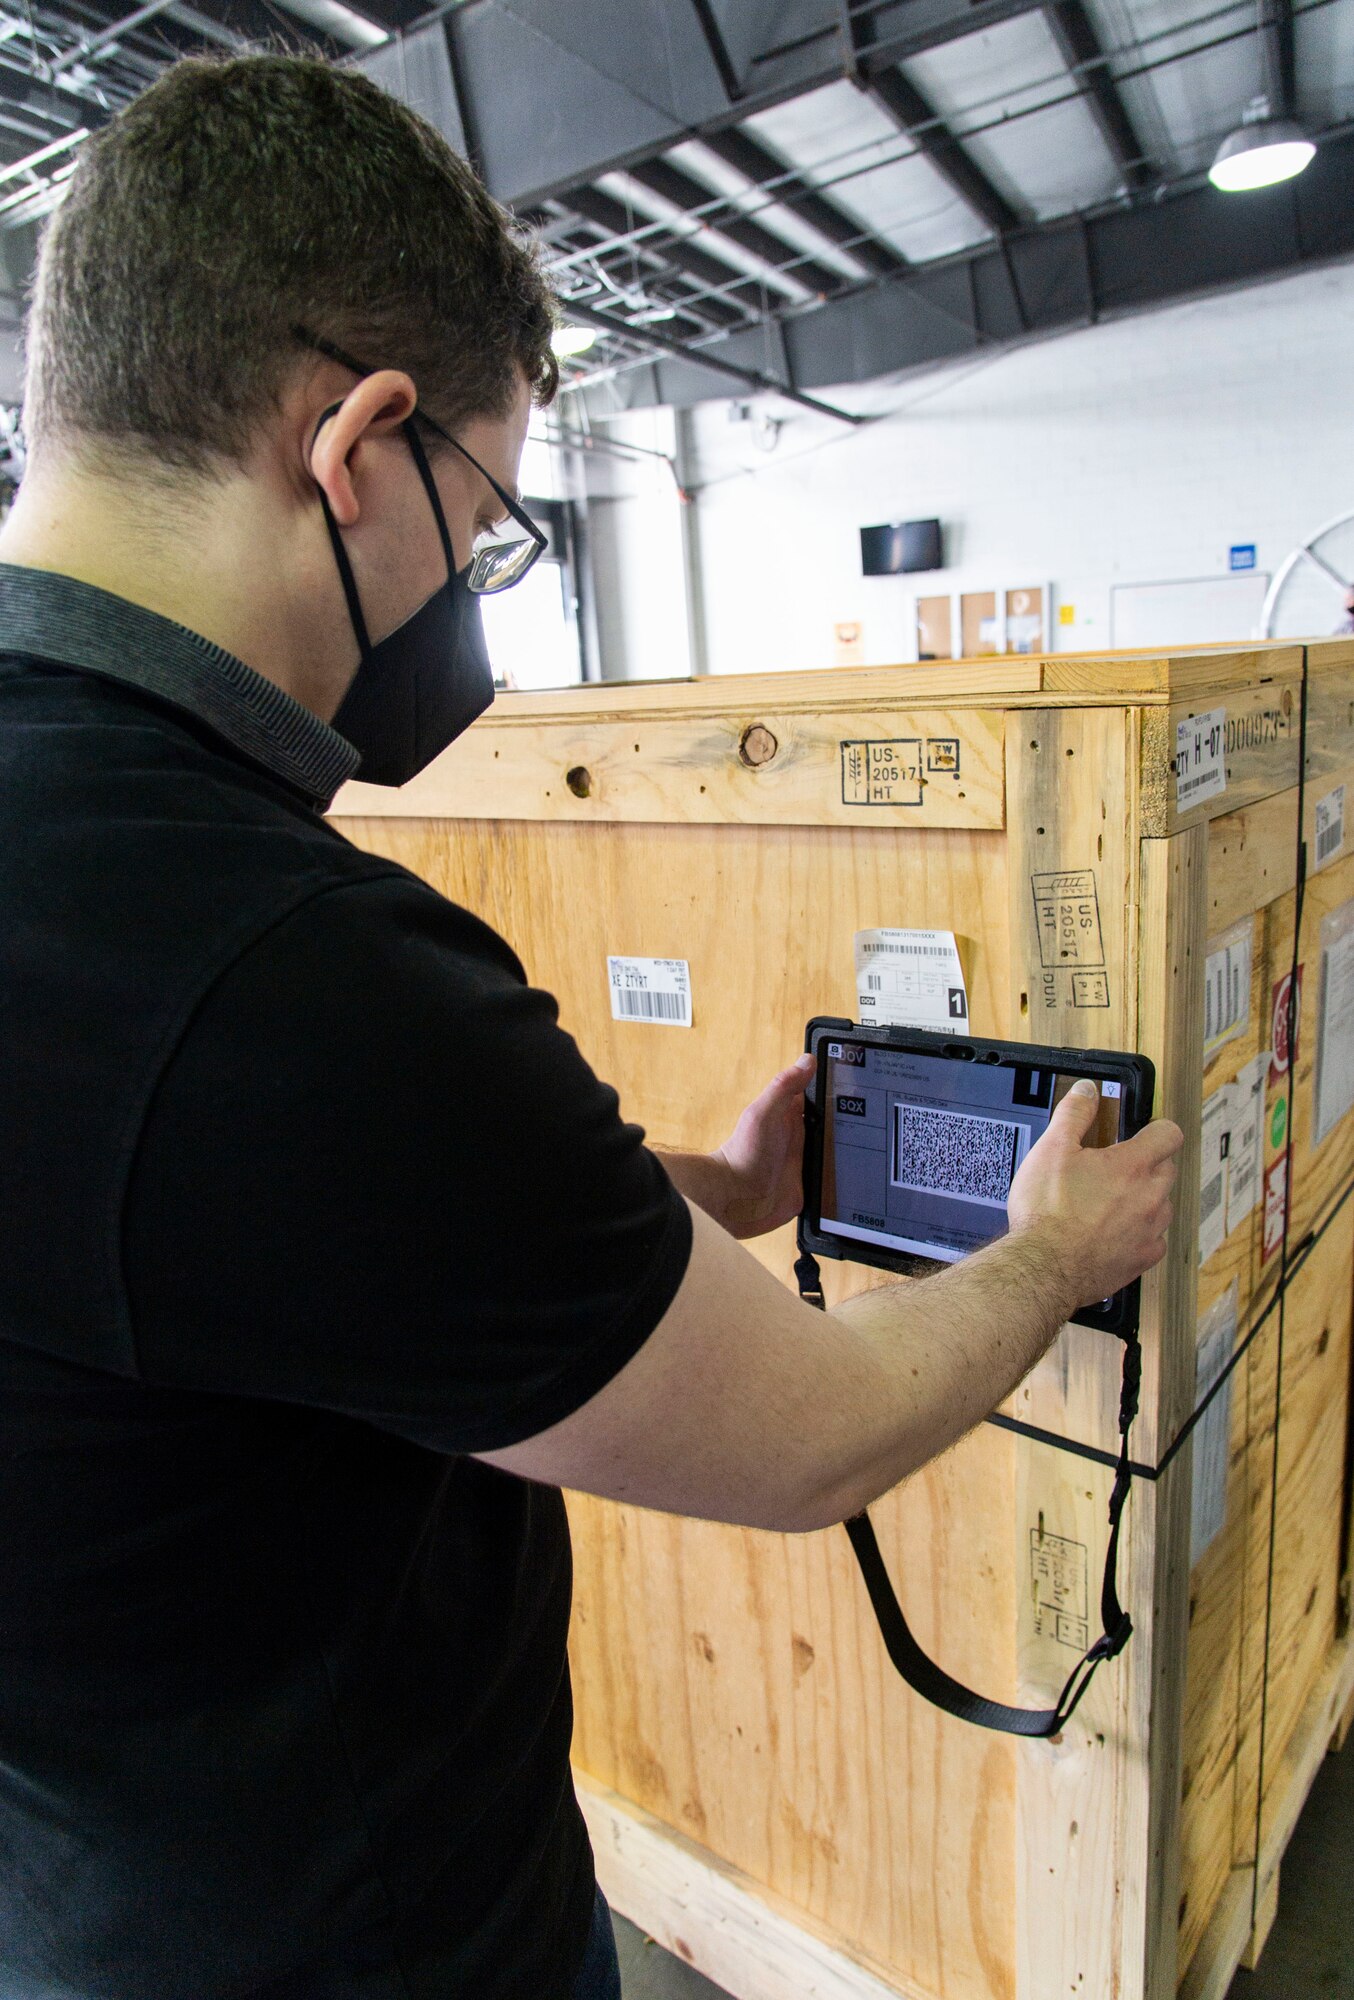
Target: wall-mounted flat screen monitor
(900,546)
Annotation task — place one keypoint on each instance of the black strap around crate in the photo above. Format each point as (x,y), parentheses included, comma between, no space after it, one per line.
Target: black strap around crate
(917,1668)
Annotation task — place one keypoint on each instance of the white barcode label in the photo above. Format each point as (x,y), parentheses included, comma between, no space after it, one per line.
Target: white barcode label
(1330,825)
(1227,986)
(650,989)
(1243,1152)
(911,979)
(1200,760)
(1213,1147)
(1335,1023)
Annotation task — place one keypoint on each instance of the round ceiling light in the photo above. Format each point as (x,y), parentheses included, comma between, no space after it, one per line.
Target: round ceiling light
(569,339)
(1260,153)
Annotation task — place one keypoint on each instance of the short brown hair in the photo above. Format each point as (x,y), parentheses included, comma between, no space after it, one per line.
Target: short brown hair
(236,200)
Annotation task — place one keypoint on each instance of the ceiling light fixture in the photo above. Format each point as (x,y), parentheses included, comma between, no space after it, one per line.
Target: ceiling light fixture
(568,340)
(1262,151)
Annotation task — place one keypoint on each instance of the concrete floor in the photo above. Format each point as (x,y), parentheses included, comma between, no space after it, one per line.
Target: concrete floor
(1310,1954)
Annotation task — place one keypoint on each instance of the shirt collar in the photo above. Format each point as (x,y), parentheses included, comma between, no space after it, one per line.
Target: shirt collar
(54,618)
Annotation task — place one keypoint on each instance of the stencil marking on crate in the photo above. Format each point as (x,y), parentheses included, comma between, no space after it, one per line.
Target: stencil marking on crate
(1067,915)
(1067,919)
(1257,731)
(888,770)
(1058,1573)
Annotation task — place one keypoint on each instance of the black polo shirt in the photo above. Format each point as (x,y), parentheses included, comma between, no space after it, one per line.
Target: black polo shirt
(304,1196)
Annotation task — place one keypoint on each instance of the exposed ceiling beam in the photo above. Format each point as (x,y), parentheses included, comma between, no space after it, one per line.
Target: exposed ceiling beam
(719,49)
(25,90)
(91,45)
(1080,45)
(624,106)
(205,27)
(344,25)
(751,378)
(912,114)
(739,150)
(905,28)
(1050,278)
(671,184)
(396,16)
(707,272)
(28,133)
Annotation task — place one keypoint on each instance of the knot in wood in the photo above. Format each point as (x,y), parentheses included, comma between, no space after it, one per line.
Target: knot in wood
(758,745)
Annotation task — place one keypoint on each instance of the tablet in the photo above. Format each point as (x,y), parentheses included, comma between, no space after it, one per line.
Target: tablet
(912,1140)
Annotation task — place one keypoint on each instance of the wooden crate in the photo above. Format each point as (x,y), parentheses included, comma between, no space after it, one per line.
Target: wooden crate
(765,1796)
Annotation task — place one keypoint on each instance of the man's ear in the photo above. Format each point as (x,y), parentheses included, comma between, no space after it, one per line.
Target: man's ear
(378,405)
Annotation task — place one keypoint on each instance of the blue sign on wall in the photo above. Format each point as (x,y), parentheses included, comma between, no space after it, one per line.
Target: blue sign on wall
(1241,555)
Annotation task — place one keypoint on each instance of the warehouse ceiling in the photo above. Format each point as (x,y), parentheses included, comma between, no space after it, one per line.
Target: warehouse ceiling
(794,193)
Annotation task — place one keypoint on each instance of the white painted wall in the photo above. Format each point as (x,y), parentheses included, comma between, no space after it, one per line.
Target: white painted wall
(1130,453)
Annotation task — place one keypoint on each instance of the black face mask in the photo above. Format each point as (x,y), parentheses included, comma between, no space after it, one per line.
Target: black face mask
(418,689)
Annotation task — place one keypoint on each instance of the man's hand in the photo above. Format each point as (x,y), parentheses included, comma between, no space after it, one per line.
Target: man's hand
(754,1181)
(1100,1212)
(765,1155)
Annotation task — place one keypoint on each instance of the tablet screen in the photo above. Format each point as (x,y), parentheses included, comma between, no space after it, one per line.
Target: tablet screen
(919,1151)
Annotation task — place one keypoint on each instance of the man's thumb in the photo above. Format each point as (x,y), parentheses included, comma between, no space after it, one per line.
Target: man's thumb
(1079,1109)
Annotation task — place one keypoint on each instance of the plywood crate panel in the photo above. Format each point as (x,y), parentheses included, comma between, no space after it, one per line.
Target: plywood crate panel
(765,1795)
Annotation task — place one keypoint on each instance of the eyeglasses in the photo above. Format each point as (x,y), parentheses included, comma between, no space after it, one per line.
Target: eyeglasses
(498,559)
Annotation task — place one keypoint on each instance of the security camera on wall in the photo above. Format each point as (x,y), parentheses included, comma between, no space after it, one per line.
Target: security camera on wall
(901,547)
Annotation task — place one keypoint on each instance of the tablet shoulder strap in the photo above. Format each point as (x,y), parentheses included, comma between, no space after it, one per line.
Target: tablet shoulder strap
(916,1667)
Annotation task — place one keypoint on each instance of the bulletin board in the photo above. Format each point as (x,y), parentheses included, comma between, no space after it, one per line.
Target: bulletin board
(1010,618)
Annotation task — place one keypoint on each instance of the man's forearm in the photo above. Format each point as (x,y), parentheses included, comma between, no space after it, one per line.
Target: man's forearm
(710,1182)
(744,1405)
(937,1355)
(704,1180)
(934,1356)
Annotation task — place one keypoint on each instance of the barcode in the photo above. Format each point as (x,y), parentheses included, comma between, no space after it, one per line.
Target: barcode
(1222,999)
(874,982)
(1211,1197)
(653,1006)
(942,1152)
(1227,991)
(1330,824)
(908,950)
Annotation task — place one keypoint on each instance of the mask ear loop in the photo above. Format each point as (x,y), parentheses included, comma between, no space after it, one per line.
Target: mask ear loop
(345,568)
(425,473)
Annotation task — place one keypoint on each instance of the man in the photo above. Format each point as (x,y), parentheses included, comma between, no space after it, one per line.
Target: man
(324,1258)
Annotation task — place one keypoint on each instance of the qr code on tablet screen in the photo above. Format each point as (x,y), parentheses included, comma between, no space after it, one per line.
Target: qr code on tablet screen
(943,1152)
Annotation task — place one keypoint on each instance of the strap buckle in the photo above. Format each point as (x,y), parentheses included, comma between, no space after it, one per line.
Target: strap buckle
(810,1280)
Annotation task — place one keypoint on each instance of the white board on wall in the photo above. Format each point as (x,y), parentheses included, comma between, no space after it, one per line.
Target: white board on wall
(1192,611)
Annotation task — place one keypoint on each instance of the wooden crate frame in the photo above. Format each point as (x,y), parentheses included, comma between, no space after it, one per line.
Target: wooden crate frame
(1058,769)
